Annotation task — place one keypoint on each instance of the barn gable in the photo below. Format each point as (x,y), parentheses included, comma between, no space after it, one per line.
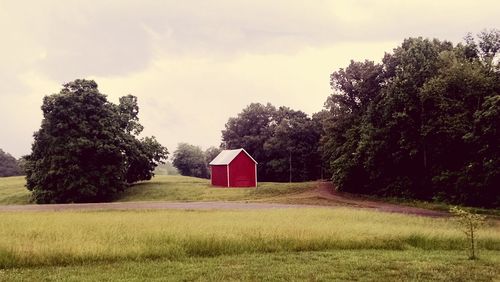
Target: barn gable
(227,156)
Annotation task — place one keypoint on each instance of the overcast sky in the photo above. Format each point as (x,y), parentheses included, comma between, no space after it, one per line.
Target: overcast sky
(194,64)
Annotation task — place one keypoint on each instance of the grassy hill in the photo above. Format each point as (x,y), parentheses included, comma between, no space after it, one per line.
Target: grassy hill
(12,191)
(168,188)
(183,188)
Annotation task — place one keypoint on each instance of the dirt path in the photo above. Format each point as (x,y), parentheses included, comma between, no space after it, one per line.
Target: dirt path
(152,206)
(325,190)
(323,196)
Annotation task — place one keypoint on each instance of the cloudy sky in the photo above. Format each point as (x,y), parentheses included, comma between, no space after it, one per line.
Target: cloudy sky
(194,64)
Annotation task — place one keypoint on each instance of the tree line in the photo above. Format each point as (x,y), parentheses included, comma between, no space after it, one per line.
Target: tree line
(424,124)
(283,141)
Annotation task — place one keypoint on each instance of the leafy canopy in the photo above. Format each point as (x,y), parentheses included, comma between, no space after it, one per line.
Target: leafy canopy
(87,149)
(283,141)
(422,124)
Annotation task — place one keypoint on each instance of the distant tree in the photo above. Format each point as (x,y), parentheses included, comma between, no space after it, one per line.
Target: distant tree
(292,148)
(190,161)
(211,153)
(283,141)
(8,165)
(21,163)
(486,48)
(320,121)
(250,130)
(166,169)
(86,149)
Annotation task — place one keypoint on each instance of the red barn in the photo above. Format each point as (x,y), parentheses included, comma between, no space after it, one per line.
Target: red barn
(233,168)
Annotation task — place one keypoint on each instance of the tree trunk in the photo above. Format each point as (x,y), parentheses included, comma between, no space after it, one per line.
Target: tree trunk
(473,251)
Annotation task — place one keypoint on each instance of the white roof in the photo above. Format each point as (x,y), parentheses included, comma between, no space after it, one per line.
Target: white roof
(227,156)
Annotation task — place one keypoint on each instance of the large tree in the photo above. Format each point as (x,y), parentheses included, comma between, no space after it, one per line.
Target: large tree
(355,87)
(87,148)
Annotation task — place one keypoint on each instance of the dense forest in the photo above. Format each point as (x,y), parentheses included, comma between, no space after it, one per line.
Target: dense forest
(424,124)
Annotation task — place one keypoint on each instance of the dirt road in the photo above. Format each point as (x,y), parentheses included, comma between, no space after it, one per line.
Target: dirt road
(324,191)
(152,206)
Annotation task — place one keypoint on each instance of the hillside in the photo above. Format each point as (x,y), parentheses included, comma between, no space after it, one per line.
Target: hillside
(170,188)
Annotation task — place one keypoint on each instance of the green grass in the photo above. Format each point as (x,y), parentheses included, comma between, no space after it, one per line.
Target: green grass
(12,191)
(71,238)
(168,188)
(341,265)
(183,188)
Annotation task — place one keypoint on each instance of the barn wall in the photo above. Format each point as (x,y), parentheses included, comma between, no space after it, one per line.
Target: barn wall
(242,171)
(219,175)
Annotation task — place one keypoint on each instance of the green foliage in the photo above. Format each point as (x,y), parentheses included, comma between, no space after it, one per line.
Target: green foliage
(283,141)
(423,124)
(9,166)
(86,149)
(469,222)
(211,153)
(190,160)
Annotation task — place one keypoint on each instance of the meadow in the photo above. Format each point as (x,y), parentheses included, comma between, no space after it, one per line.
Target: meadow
(314,244)
(35,243)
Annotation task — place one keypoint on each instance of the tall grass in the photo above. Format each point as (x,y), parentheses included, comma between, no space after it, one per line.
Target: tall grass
(65,238)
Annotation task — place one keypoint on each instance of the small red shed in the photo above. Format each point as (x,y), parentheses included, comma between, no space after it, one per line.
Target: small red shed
(233,168)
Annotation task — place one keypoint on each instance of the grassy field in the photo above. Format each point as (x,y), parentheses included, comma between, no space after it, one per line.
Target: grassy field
(168,188)
(314,244)
(317,244)
(74,238)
